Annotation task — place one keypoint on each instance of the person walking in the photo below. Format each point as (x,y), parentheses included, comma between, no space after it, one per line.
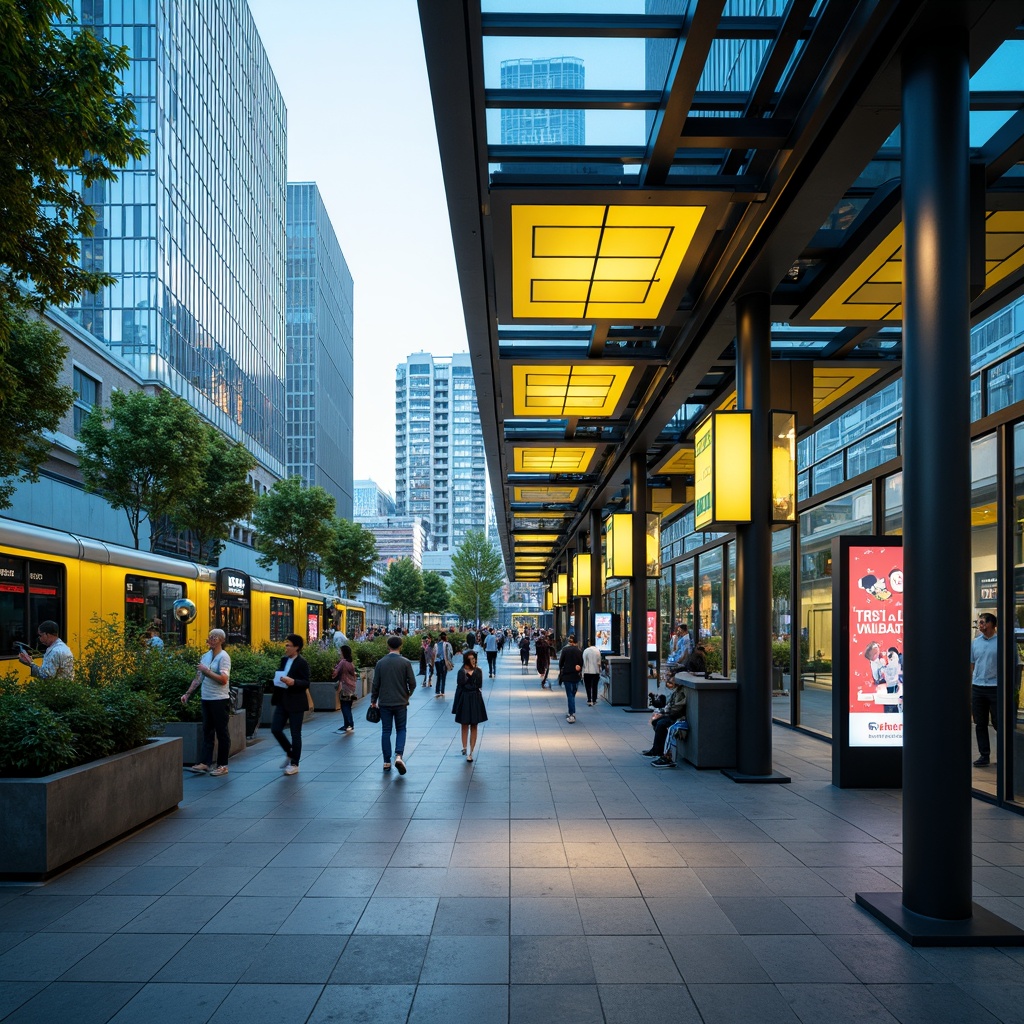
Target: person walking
(394,682)
(345,675)
(591,671)
(423,661)
(984,685)
(524,651)
(543,659)
(213,672)
(431,654)
(443,654)
(468,706)
(491,649)
(570,669)
(289,700)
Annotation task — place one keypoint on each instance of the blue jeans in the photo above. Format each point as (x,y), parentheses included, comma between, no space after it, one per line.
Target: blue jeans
(346,711)
(570,694)
(440,674)
(294,720)
(397,714)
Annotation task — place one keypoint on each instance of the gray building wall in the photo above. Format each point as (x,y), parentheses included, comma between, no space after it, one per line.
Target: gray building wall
(319,343)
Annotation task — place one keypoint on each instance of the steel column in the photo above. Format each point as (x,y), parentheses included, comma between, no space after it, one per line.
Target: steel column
(638,584)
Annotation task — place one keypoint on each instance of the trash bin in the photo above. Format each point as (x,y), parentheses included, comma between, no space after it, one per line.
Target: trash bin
(252,702)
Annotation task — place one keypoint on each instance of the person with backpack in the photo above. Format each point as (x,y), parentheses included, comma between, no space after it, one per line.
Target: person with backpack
(570,674)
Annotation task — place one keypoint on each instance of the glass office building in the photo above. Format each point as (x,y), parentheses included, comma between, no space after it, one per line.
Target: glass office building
(195,230)
(319,333)
(440,471)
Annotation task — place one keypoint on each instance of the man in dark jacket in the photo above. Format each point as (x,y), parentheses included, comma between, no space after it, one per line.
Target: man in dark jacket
(662,720)
(570,674)
(290,701)
(394,682)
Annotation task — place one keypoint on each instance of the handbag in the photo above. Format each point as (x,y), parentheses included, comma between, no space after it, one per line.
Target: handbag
(373,714)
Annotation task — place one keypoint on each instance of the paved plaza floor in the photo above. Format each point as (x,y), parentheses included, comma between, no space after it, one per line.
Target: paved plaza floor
(557,878)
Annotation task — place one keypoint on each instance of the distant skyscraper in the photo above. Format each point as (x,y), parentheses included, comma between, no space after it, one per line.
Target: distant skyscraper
(195,230)
(440,471)
(319,333)
(370,500)
(542,127)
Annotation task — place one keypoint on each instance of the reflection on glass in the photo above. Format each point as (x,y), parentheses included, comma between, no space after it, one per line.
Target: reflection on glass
(782,623)
(710,607)
(894,504)
(684,594)
(731,620)
(1017,752)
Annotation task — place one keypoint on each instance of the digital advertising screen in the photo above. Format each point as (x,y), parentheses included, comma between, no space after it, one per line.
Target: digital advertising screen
(603,632)
(652,632)
(873,577)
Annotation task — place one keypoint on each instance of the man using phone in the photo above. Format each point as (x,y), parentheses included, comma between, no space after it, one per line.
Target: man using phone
(58,661)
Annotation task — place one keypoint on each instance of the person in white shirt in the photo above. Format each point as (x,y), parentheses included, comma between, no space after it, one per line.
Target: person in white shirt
(591,671)
(214,672)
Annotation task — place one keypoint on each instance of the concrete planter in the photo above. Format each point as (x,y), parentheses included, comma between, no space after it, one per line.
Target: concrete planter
(325,696)
(365,684)
(267,718)
(50,822)
(191,734)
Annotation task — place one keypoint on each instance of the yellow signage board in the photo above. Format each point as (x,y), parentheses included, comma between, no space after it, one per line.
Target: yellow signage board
(722,452)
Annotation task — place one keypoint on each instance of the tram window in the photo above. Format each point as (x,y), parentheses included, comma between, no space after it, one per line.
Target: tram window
(313,612)
(354,623)
(281,618)
(235,623)
(146,599)
(23,607)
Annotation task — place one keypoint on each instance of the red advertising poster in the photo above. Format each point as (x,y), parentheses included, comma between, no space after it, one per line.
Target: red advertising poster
(652,632)
(875,683)
(312,627)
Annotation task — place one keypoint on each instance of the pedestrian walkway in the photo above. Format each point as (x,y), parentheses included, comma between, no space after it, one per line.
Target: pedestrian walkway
(556,878)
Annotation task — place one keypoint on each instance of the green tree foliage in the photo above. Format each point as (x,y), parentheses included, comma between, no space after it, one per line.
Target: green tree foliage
(294,525)
(220,495)
(32,400)
(435,593)
(402,586)
(63,127)
(477,572)
(349,557)
(143,454)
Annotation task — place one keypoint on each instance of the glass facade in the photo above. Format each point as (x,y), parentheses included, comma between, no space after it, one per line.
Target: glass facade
(319,333)
(440,470)
(195,230)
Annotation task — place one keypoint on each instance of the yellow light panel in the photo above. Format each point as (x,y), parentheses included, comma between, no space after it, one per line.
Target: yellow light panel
(565,495)
(874,291)
(581,574)
(536,538)
(597,262)
(681,462)
(578,389)
(556,459)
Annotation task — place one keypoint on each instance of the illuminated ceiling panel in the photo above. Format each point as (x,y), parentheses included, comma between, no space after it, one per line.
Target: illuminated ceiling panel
(540,521)
(597,262)
(537,538)
(681,462)
(831,383)
(562,495)
(578,389)
(557,459)
(874,291)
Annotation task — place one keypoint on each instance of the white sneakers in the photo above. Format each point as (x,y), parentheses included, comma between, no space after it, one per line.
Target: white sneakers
(292,769)
(570,718)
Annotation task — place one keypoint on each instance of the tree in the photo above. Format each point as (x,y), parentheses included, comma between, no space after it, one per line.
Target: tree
(293,525)
(222,494)
(64,126)
(349,557)
(477,572)
(147,460)
(32,402)
(402,586)
(435,593)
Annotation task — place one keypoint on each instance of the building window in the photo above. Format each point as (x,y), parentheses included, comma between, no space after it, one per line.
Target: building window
(87,394)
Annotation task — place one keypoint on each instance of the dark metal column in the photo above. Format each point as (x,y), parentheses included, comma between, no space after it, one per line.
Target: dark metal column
(936,899)
(638,584)
(754,549)
(596,582)
(582,629)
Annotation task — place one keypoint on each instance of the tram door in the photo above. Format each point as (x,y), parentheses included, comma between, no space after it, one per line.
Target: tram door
(233,605)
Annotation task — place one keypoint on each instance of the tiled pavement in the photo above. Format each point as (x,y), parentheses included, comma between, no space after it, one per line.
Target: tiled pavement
(557,878)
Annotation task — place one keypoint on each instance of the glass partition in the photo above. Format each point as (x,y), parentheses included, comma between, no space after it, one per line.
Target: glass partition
(730,622)
(782,623)
(1017,752)
(710,608)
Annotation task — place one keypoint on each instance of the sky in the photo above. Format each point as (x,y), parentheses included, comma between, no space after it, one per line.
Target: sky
(361,125)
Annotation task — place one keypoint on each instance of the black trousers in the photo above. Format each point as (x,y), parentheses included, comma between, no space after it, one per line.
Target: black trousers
(590,682)
(661,727)
(984,702)
(215,723)
(294,720)
(492,662)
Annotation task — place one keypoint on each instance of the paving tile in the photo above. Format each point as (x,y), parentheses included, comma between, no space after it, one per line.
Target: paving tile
(567,1004)
(471,915)
(851,1004)
(541,882)
(794,881)
(537,855)
(211,959)
(339,881)
(328,915)
(30,914)
(882,958)
(615,916)
(245,915)
(733,881)
(647,1004)
(480,855)
(466,960)
(364,958)
(621,959)
(727,1004)
(363,855)
(764,916)
(604,882)
(594,855)
(551,960)
(101,914)
(46,956)
(168,914)
(126,958)
(287,960)
(148,880)
(412,881)
(16,993)
(651,855)
(834,916)
(552,915)
(664,882)
(798,959)
(281,882)
(715,959)
(392,916)
(441,1004)
(1004,1000)
(365,1004)
(692,915)
(73,1003)
(963,966)
(932,1004)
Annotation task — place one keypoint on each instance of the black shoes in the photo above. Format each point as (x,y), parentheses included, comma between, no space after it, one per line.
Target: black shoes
(650,753)
(982,762)
(663,762)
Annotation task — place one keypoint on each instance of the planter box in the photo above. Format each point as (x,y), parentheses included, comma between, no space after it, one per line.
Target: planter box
(49,822)
(191,734)
(365,684)
(267,718)
(325,696)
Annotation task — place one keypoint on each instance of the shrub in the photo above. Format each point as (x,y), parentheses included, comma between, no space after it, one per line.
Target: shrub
(81,708)
(249,666)
(780,653)
(33,739)
(168,674)
(412,647)
(132,715)
(713,647)
(369,652)
(321,661)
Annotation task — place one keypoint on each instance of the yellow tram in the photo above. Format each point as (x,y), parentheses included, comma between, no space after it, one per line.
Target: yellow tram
(49,574)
